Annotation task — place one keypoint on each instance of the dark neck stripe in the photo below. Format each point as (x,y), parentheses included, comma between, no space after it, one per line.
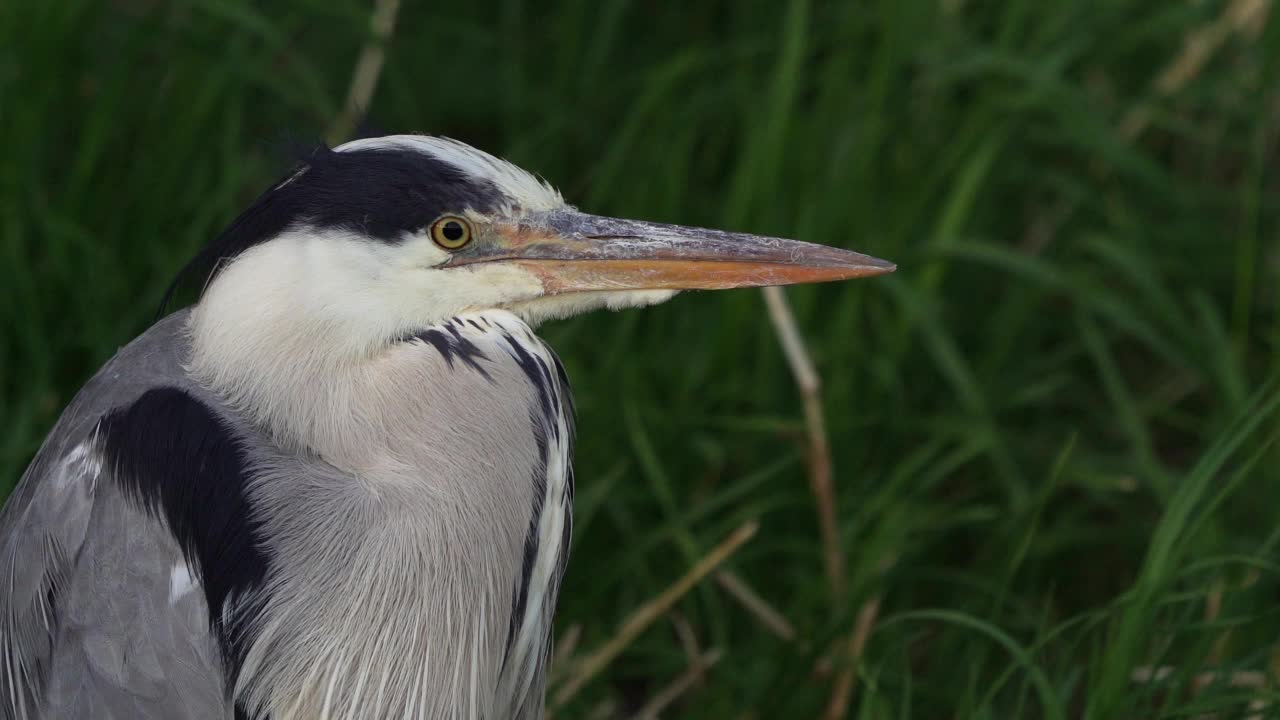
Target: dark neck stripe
(453,346)
(554,402)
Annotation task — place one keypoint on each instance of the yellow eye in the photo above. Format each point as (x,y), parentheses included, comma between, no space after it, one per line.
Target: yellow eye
(451,232)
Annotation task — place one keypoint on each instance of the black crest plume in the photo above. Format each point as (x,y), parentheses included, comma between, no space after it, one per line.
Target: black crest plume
(380,193)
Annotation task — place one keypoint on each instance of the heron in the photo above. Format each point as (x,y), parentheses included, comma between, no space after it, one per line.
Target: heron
(339,484)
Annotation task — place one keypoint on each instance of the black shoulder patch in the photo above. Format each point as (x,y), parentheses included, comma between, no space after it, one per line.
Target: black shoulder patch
(179,461)
(381,193)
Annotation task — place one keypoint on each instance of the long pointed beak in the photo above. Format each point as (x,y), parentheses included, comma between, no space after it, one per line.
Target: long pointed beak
(571,251)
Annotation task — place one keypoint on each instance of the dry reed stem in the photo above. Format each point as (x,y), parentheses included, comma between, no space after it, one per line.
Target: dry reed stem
(773,620)
(643,617)
(688,639)
(820,483)
(1253,680)
(1245,17)
(364,80)
(1241,679)
(1213,608)
(679,686)
(820,472)
(562,659)
(842,689)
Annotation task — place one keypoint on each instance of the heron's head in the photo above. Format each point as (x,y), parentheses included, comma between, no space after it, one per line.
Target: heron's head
(384,236)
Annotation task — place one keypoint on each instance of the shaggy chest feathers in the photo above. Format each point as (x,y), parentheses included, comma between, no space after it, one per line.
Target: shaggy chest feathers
(419,527)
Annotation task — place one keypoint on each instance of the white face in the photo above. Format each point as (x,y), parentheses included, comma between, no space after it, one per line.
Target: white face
(365,292)
(370,292)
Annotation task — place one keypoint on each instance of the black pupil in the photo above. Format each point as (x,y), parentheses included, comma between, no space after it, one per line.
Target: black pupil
(452,231)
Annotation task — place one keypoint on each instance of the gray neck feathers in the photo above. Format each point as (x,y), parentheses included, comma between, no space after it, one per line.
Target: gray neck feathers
(417,555)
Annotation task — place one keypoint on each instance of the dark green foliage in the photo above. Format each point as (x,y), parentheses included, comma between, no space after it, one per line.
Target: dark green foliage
(1055,418)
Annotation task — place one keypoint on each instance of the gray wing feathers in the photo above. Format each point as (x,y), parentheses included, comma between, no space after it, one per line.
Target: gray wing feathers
(133,637)
(102,618)
(97,617)
(40,543)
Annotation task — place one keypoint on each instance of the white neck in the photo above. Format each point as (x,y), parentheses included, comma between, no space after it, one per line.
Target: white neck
(296,334)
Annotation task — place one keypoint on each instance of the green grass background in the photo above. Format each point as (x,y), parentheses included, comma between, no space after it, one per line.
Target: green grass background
(1055,419)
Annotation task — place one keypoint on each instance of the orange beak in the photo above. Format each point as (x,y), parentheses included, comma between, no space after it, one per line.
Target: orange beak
(571,251)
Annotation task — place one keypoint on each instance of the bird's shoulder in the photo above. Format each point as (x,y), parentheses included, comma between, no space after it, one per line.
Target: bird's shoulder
(97,577)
